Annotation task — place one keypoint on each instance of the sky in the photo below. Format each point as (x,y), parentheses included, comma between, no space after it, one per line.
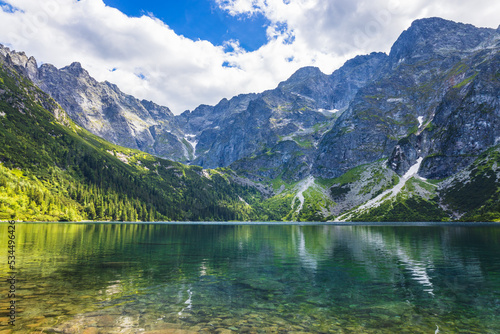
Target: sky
(185,53)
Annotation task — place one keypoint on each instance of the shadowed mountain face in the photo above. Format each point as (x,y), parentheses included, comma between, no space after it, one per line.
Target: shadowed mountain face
(433,100)
(436,98)
(299,110)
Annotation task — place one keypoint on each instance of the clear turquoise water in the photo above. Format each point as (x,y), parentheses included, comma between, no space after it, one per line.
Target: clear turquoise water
(154,278)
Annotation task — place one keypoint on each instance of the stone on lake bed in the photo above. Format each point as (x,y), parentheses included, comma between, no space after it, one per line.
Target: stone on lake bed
(50,330)
(170,331)
(228,322)
(91,330)
(29,297)
(168,325)
(264,285)
(223,331)
(103,321)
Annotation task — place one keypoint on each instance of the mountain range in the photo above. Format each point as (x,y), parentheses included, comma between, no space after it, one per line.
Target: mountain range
(409,135)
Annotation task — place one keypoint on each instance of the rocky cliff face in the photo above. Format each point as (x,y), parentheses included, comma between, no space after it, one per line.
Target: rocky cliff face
(299,111)
(107,112)
(104,110)
(425,102)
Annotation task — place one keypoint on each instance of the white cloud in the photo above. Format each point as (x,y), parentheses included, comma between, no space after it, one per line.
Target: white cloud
(344,27)
(145,58)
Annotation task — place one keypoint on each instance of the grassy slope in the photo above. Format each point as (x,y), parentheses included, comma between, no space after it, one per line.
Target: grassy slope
(475,192)
(417,202)
(471,195)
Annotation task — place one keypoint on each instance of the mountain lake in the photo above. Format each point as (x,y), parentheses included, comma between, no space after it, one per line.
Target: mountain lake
(250,278)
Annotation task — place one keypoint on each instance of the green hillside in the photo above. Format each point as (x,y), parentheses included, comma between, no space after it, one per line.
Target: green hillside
(53,170)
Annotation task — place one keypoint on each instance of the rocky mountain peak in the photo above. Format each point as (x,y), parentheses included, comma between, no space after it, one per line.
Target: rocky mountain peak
(362,59)
(303,76)
(309,83)
(305,73)
(3,50)
(26,64)
(76,69)
(112,86)
(156,110)
(426,37)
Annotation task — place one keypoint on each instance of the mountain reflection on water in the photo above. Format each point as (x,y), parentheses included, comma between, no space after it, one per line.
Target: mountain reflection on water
(126,278)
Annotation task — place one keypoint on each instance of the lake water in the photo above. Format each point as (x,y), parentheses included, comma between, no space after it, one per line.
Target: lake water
(186,278)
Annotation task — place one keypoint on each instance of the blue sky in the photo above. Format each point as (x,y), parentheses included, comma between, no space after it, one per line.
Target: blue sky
(201,19)
(185,53)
